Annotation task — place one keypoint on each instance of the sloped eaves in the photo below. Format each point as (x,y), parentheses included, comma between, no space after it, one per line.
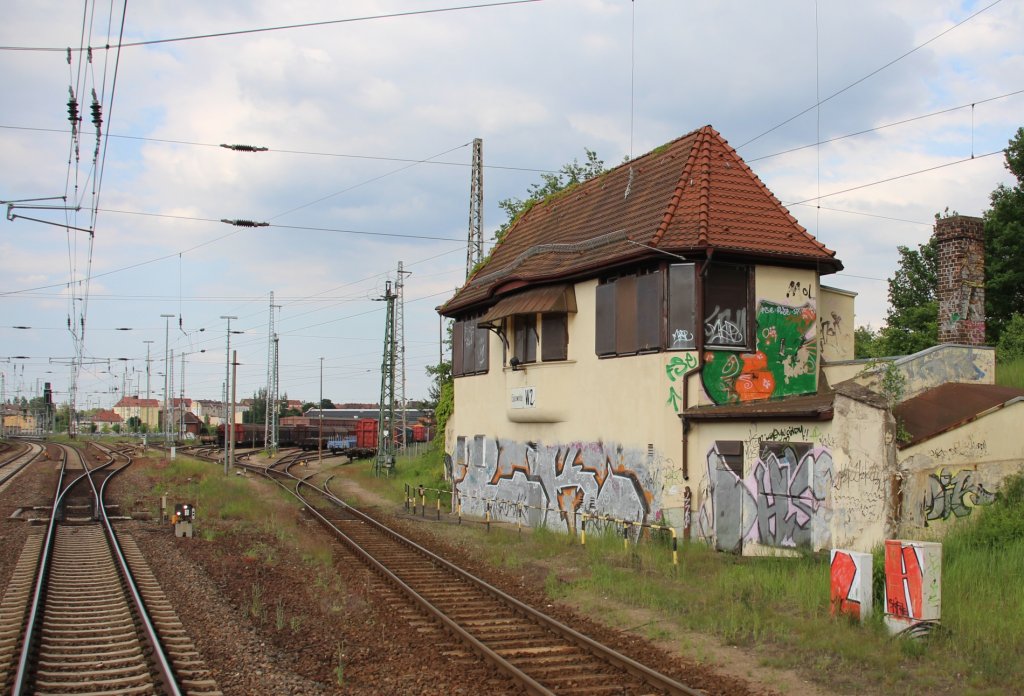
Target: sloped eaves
(687,197)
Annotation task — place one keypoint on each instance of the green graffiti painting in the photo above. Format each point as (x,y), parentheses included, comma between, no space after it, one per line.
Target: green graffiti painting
(784,364)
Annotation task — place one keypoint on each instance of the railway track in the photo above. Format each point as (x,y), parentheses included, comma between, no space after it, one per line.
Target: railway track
(539,653)
(85,612)
(17,458)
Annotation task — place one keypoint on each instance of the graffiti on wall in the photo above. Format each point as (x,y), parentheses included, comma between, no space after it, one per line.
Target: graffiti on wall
(551,485)
(785,362)
(850,583)
(953,495)
(831,329)
(913,585)
(783,501)
(675,370)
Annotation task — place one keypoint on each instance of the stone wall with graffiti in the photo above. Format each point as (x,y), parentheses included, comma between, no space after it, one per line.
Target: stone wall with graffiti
(781,500)
(770,485)
(935,366)
(835,324)
(785,361)
(948,476)
(552,484)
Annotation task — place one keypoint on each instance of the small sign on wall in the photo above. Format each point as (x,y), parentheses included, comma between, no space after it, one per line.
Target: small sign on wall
(524,397)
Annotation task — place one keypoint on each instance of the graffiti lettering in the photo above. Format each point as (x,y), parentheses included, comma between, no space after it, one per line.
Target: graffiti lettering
(912,585)
(783,502)
(679,365)
(953,494)
(681,338)
(532,481)
(798,291)
(966,449)
(722,328)
(785,362)
(843,574)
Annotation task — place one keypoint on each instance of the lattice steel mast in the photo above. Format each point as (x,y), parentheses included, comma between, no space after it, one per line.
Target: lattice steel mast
(400,346)
(386,415)
(475,243)
(269,430)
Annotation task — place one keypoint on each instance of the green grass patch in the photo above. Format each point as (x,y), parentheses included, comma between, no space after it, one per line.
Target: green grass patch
(1010,373)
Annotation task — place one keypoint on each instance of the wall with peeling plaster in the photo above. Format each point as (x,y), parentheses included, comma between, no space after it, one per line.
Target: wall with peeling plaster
(931,367)
(947,476)
(832,487)
(836,324)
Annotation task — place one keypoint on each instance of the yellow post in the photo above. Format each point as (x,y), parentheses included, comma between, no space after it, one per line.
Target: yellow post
(583,530)
(439,505)
(519,517)
(675,546)
(625,535)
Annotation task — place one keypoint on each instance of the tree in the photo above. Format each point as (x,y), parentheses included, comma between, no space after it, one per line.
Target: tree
(326,403)
(865,342)
(257,412)
(1004,245)
(912,323)
(569,175)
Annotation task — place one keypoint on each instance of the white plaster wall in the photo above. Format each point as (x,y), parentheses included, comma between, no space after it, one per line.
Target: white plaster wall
(849,478)
(931,367)
(625,401)
(949,475)
(864,457)
(836,324)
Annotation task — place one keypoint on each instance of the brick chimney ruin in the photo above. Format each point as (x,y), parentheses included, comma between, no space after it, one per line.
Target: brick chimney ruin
(960,246)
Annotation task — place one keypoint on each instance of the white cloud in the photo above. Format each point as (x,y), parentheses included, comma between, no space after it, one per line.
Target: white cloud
(539,82)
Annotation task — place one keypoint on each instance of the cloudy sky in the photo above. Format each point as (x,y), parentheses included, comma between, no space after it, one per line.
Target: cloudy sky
(369,116)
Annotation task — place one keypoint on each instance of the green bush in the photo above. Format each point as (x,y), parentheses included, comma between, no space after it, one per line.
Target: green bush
(1002,523)
(1011,340)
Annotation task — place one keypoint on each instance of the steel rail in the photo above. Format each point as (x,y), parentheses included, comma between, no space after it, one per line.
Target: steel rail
(170,682)
(653,678)
(149,632)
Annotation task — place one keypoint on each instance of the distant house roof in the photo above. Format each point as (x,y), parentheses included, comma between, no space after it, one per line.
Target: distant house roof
(949,406)
(135,402)
(694,196)
(104,416)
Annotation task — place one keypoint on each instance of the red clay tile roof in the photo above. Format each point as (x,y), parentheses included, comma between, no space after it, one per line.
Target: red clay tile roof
(687,197)
(104,416)
(948,406)
(133,401)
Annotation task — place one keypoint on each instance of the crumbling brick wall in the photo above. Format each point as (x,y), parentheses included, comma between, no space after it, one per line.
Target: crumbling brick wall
(960,246)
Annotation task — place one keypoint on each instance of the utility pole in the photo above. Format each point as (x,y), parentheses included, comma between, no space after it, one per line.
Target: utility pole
(386,415)
(145,409)
(475,243)
(170,414)
(167,333)
(234,385)
(320,409)
(227,391)
(275,417)
(268,422)
(400,346)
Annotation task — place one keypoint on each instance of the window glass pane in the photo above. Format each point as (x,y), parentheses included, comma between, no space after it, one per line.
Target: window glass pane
(605,332)
(649,311)
(554,336)
(725,306)
(525,337)
(682,305)
(469,348)
(482,344)
(625,315)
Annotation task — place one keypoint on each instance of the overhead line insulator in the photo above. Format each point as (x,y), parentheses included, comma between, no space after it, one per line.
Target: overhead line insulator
(245,223)
(244,148)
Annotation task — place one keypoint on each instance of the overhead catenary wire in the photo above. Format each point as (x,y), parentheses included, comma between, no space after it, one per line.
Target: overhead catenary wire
(870,74)
(281,27)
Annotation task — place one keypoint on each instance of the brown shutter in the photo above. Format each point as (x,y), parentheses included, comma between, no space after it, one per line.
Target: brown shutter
(649,311)
(554,336)
(625,315)
(604,337)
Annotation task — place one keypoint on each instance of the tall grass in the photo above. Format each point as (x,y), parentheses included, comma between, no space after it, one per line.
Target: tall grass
(1010,373)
